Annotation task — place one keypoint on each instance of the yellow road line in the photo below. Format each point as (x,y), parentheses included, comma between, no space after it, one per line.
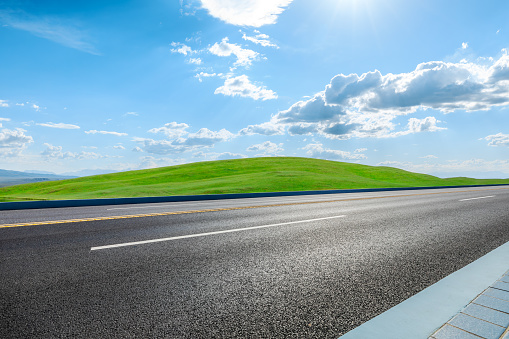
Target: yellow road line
(130,216)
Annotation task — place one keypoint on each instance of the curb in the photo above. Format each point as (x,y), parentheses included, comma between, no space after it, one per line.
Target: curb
(19,205)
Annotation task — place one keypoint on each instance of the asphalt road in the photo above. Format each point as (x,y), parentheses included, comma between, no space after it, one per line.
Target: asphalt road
(319,267)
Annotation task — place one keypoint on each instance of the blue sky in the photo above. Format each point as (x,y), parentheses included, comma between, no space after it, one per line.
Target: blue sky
(121,85)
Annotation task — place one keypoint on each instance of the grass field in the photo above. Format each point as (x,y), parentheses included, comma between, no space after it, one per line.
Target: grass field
(232,176)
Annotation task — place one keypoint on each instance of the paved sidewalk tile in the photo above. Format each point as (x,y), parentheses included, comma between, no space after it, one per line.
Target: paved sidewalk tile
(449,332)
(497,304)
(496,293)
(488,314)
(501,286)
(476,326)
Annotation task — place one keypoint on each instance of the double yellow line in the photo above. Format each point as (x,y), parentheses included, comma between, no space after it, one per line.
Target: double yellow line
(131,216)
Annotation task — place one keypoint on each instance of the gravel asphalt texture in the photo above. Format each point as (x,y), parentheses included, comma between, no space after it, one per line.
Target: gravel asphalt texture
(307,280)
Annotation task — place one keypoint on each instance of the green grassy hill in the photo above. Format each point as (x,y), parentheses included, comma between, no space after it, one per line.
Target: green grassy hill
(231,176)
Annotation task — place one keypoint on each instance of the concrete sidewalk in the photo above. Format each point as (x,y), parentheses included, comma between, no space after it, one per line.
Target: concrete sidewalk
(473,302)
(487,316)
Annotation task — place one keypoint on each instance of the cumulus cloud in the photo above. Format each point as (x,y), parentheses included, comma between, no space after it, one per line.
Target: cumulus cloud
(59,125)
(180,140)
(219,156)
(118,134)
(428,124)
(56,152)
(181,48)
(4,103)
(241,86)
(302,129)
(438,85)
(365,105)
(312,110)
(254,13)
(161,147)
(245,57)
(118,147)
(172,129)
(266,128)
(317,150)
(338,130)
(266,147)
(13,142)
(203,75)
(195,61)
(498,139)
(259,39)
(204,138)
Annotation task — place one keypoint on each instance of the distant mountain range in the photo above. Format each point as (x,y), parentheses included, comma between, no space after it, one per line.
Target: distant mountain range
(9,178)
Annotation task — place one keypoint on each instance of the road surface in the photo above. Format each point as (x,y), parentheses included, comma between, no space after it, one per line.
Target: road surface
(302,267)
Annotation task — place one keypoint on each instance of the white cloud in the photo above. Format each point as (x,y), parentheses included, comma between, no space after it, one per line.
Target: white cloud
(161,147)
(266,147)
(59,125)
(254,13)
(5,119)
(428,124)
(317,150)
(429,157)
(172,129)
(195,61)
(202,75)
(13,142)
(62,32)
(204,138)
(118,147)
(37,108)
(464,45)
(302,129)
(312,110)
(266,128)
(219,156)
(366,105)
(3,103)
(241,86)
(118,134)
(360,150)
(132,113)
(259,39)
(438,85)
(56,152)
(184,142)
(498,139)
(181,48)
(245,57)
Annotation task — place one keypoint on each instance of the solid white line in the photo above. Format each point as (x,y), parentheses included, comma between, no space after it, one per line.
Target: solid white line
(489,196)
(208,233)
